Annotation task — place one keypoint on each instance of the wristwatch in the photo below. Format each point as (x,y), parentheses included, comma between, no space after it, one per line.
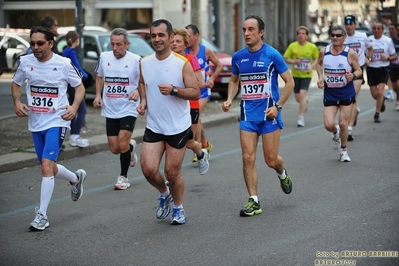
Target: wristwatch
(278,107)
(174,91)
(354,75)
(369,58)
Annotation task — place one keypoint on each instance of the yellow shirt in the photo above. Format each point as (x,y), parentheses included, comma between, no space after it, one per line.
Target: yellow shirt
(308,53)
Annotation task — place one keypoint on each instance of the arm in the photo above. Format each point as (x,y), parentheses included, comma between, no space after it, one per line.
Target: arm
(319,68)
(191,90)
(143,96)
(354,62)
(75,62)
(20,108)
(71,110)
(218,67)
(231,92)
(99,86)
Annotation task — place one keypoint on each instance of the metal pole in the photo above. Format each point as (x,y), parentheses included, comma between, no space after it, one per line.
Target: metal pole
(241,42)
(79,29)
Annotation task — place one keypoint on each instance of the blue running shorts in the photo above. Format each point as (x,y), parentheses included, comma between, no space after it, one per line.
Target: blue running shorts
(48,143)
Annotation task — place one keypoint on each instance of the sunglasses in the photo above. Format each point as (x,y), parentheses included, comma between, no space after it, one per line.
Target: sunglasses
(39,43)
(336,35)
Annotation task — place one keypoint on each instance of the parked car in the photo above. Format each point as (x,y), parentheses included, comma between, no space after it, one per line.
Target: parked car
(18,44)
(94,43)
(64,30)
(221,82)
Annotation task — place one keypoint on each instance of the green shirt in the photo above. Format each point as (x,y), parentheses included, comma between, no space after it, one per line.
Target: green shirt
(308,53)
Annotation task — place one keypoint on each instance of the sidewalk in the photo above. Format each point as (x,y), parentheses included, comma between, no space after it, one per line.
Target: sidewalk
(27,158)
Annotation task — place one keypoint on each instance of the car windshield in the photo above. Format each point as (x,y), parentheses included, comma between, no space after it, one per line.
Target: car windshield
(137,45)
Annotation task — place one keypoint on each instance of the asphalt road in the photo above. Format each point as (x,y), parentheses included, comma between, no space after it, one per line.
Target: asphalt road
(334,207)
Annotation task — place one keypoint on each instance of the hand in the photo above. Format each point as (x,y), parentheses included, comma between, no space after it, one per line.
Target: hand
(141,108)
(69,113)
(320,83)
(226,106)
(21,109)
(165,89)
(210,83)
(134,95)
(98,102)
(271,112)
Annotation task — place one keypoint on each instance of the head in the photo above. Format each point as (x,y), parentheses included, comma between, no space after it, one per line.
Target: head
(350,24)
(392,30)
(42,41)
(51,23)
(180,40)
(161,31)
(72,38)
(194,33)
(253,30)
(338,35)
(119,42)
(378,30)
(302,34)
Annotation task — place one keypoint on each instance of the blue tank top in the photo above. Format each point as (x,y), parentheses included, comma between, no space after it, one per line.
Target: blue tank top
(258,72)
(203,62)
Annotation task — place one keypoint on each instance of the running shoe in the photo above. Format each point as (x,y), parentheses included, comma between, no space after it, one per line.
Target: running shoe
(164,206)
(133,155)
(390,95)
(40,222)
(301,121)
(194,159)
(335,143)
(383,106)
(350,137)
(251,208)
(77,188)
(122,183)
(377,119)
(209,148)
(79,142)
(343,154)
(286,183)
(203,164)
(357,114)
(178,216)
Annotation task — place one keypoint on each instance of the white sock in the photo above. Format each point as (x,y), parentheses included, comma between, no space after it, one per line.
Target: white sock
(74,137)
(166,193)
(65,174)
(46,192)
(282,176)
(178,206)
(255,198)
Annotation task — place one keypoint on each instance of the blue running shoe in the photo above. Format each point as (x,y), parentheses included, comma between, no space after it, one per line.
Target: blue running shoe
(164,206)
(178,216)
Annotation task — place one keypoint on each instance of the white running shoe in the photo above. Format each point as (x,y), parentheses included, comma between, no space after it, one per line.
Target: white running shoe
(301,121)
(203,164)
(123,183)
(390,95)
(79,142)
(133,155)
(40,222)
(343,154)
(335,143)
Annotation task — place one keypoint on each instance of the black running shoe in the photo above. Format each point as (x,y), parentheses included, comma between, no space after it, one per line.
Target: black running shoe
(251,208)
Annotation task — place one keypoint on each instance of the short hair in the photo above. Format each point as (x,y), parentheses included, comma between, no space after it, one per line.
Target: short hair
(48,21)
(48,34)
(338,27)
(194,28)
(183,33)
(156,23)
(302,28)
(261,23)
(120,31)
(71,37)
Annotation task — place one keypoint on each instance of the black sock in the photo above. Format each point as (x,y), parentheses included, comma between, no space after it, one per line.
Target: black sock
(125,162)
(200,157)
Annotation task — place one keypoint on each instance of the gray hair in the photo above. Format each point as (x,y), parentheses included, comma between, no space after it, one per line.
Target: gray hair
(338,27)
(120,31)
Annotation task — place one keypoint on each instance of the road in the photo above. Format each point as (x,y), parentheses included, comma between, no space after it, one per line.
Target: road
(334,206)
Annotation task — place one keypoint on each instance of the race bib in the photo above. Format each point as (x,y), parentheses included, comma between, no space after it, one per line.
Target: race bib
(42,99)
(115,87)
(254,86)
(304,65)
(377,54)
(335,78)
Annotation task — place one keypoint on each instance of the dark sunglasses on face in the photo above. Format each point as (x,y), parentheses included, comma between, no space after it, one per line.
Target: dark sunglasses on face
(39,43)
(336,35)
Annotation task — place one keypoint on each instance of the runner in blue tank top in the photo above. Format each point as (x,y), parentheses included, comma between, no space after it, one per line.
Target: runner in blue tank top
(337,67)
(255,69)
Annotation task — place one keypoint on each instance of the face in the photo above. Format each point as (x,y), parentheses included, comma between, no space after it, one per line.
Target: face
(302,36)
(350,28)
(54,28)
(193,38)
(160,39)
(337,37)
(178,44)
(377,30)
(251,32)
(392,31)
(41,47)
(119,46)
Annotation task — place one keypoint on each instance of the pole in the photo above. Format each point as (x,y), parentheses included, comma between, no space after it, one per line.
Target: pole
(79,30)
(242,16)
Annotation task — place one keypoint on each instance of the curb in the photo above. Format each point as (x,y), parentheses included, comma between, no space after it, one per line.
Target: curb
(19,160)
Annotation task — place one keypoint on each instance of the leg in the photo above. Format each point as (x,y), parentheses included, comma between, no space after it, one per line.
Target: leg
(271,142)
(354,111)
(249,142)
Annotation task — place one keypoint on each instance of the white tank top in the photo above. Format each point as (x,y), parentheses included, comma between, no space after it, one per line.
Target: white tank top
(335,68)
(121,77)
(166,114)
